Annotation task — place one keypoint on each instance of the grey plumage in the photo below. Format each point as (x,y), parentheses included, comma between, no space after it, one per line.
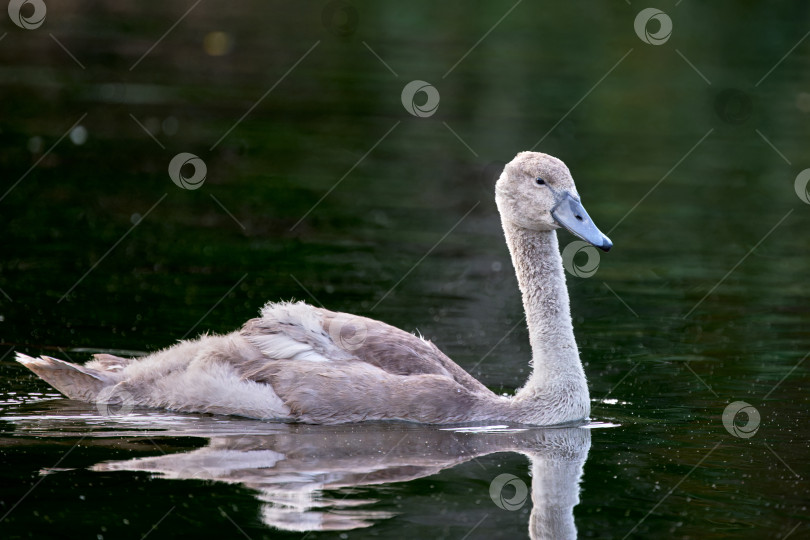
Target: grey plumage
(301,363)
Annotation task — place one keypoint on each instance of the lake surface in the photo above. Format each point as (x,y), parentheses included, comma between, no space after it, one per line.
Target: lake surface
(323,183)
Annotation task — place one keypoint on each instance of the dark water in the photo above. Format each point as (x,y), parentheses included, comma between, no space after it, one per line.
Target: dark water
(687,152)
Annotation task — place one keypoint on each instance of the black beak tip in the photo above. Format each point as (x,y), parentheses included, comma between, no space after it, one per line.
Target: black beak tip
(606,245)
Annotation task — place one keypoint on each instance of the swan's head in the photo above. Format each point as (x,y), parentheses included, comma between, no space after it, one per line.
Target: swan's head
(536,192)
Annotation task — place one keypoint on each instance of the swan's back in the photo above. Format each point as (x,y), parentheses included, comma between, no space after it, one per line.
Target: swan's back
(334,367)
(295,362)
(298,331)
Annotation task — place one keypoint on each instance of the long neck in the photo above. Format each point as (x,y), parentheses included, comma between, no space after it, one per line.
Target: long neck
(556,391)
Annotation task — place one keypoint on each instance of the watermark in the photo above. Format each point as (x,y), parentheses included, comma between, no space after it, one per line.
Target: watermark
(733,106)
(34,16)
(590,266)
(348,331)
(340,18)
(800,185)
(516,501)
(195,180)
(741,419)
(642,23)
(431,104)
(114,401)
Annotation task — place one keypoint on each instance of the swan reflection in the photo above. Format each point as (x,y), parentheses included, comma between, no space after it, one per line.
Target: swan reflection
(299,472)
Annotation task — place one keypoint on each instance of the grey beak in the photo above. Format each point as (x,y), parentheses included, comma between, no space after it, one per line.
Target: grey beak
(569,213)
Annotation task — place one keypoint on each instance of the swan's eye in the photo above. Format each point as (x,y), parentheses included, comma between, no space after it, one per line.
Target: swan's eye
(540,182)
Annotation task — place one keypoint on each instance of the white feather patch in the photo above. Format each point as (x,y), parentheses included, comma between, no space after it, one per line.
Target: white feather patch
(282,347)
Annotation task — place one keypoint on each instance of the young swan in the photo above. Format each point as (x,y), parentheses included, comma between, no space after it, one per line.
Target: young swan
(301,363)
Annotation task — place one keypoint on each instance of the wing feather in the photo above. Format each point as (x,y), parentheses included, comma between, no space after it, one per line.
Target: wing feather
(289,331)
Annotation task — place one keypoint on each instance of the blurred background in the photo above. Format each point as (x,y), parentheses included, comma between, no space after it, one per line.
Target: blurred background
(321,184)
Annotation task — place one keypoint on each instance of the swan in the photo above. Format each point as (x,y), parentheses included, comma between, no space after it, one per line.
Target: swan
(300,363)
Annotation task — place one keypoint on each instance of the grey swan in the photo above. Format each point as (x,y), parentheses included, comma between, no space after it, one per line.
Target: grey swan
(300,363)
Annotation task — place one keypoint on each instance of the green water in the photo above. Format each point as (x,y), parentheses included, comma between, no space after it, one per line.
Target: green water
(686,153)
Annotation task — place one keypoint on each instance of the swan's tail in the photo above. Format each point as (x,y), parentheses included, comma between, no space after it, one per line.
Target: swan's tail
(74,381)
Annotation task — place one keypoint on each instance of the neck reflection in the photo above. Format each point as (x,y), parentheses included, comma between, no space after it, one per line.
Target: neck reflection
(298,472)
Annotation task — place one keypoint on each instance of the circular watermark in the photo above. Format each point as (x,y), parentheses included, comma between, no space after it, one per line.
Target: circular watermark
(114,401)
(195,181)
(580,270)
(348,331)
(741,419)
(733,106)
(31,22)
(800,185)
(431,104)
(516,501)
(340,18)
(664,26)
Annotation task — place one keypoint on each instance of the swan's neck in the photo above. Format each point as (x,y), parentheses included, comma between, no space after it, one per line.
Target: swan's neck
(556,391)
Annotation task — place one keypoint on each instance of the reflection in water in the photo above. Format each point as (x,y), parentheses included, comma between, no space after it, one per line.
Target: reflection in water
(291,469)
(307,477)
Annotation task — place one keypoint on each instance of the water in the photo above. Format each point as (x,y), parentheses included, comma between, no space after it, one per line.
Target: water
(702,303)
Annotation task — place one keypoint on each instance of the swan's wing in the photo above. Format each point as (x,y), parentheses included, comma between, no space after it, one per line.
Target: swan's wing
(298,331)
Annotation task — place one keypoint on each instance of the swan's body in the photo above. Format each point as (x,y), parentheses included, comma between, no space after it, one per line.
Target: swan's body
(301,363)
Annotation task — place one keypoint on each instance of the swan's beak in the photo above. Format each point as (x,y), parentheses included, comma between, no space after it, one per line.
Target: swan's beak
(570,213)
